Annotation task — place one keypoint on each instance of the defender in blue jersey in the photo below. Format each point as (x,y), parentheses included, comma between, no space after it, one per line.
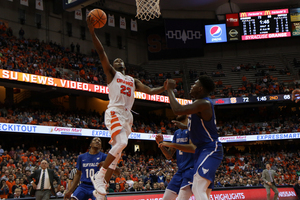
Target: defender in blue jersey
(87,166)
(203,134)
(180,184)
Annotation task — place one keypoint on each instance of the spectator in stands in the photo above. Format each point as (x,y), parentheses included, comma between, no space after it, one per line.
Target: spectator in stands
(17,194)
(155,186)
(126,188)
(1,150)
(24,186)
(120,180)
(147,187)
(135,187)
(10,183)
(148,179)
(17,185)
(61,192)
(5,176)
(21,33)
(118,189)
(160,177)
(162,186)
(4,190)
(72,47)
(140,186)
(78,48)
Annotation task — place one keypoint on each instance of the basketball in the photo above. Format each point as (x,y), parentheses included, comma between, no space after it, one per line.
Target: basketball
(98,17)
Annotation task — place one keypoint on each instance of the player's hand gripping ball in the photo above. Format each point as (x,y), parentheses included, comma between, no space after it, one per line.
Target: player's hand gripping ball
(159,138)
(97,17)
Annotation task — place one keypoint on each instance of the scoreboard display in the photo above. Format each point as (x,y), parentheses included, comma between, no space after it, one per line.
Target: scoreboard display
(264,24)
(252,99)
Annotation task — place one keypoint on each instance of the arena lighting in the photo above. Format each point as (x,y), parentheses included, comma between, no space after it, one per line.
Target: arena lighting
(226,8)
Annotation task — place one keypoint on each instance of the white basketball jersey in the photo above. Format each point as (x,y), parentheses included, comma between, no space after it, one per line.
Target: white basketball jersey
(121,91)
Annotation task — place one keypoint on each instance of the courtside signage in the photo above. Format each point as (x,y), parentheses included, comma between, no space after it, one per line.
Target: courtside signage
(287,193)
(55,130)
(61,83)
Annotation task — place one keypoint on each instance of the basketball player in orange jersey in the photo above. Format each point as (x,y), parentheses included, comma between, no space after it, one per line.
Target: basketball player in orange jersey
(118,118)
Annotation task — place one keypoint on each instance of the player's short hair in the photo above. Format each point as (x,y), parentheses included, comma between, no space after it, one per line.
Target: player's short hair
(207,83)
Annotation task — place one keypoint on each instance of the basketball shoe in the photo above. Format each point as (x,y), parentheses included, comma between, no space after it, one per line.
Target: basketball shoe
(99,183)
(98,195)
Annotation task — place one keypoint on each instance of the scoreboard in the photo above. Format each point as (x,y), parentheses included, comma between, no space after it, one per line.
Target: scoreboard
(252,99)
(264,24)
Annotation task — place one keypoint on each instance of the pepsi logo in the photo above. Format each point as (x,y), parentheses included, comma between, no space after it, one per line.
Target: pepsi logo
(215,31)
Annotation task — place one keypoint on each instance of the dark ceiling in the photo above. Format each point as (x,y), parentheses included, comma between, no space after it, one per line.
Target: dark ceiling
(212,5)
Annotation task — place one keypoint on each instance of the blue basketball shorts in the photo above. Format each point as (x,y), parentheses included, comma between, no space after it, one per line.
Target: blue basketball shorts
(181,179)
(207,161)
(84,192)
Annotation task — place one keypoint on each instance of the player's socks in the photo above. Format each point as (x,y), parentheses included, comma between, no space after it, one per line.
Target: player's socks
(101,172)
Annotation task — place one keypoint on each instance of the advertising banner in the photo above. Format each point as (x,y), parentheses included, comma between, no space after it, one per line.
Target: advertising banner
(56,82)
(232,20)
(55,130)
(247,194)
(181,33)
(215,33)
(264,13)
(266,36)
(295,28)
(233,34)
(295,14)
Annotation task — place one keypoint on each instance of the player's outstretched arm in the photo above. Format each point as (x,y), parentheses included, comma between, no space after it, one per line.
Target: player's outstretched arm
(74,185)
(168,153)
(295,93)
(189,148)
(107,68)
(179,124)
(200,105)
(144,88)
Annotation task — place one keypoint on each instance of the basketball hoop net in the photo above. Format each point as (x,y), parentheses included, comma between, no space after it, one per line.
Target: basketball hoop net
(147,9)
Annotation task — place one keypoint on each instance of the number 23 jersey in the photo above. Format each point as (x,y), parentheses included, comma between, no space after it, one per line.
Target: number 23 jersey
(121,91)
(88,164)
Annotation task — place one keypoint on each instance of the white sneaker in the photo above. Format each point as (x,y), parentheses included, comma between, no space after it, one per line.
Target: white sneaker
(99,183)
(98,195)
